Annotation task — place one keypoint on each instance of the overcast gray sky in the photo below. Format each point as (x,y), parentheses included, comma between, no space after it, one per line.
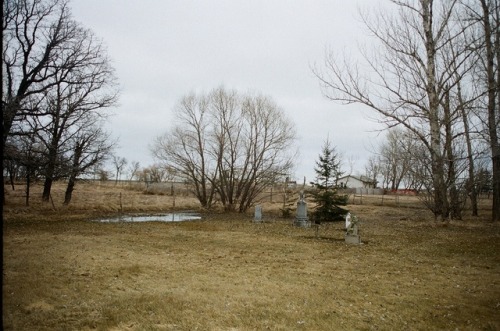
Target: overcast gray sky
(164,49)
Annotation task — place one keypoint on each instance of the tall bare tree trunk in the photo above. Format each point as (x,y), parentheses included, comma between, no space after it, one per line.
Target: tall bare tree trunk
(440,194)
(471,186)
(492,45)
(495,117)
(455,205)
(49,175)
(73,174)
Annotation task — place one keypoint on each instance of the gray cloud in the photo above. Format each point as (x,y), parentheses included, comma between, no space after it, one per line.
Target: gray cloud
(163,50)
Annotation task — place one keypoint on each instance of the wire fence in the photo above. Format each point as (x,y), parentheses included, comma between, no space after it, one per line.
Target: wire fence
(286,195)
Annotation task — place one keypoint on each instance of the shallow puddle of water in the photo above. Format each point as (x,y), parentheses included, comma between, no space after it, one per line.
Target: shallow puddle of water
(174,217)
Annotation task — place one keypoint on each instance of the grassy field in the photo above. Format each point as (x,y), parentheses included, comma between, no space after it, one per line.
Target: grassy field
(63,271)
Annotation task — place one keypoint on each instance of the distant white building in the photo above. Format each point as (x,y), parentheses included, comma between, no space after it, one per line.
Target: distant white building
(356,182)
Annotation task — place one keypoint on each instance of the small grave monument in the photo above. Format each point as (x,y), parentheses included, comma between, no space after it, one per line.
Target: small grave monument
(258,214)
(301,219)
(347,221)
(352,231)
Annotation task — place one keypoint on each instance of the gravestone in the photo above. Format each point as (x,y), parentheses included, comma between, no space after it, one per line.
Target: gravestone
(258,214)
(352,231)
(301,218)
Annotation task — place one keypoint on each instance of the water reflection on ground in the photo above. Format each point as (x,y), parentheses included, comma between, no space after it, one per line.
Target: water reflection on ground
(173,217)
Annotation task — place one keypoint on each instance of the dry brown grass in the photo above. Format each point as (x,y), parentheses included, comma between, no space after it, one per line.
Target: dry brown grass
(64,272)
(101,198)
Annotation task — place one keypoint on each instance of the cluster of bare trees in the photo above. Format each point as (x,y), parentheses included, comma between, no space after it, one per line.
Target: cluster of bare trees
(230,147)
(56,80)
(435,72)
(155,173)
(402,161)
(392,162)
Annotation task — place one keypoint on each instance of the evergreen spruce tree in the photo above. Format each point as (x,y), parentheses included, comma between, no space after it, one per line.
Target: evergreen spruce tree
(325,195)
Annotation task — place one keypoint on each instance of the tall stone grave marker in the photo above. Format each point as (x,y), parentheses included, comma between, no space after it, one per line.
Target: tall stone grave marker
(301,219)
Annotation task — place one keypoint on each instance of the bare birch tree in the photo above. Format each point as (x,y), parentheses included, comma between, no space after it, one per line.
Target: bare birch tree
(408,79)
(485,40)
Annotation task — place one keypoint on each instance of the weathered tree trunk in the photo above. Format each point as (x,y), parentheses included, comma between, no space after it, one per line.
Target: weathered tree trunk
(73,174)
(455,206)
(28,183)
(49,174)
(492,45)
(439,185)
(496,187)
(496,115)
(69,190)
(471,186)
(8,113)
(47,186)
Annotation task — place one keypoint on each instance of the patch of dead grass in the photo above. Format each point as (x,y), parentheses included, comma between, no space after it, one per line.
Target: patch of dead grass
(63,271)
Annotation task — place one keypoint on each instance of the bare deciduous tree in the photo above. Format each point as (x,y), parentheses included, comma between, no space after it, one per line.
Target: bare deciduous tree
(119,163)
(80,93)
(133,170)
(485,41)
(230,145)
(90,146)
(33,33)
(54,73)
(394,158)
(373,169)
(408,79)
(185,147)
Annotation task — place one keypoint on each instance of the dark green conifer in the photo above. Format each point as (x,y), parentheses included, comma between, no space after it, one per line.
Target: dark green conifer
(325,192)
